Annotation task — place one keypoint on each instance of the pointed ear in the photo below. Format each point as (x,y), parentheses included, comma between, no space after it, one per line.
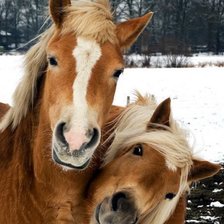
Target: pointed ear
(128,32)
(161,115)
(202,169)
(57,10)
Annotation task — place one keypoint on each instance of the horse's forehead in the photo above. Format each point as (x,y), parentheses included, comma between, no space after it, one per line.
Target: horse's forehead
(112,51)
(158,165)
(163,159)
(110,54)
(63,44)
(153,154)
(86,52)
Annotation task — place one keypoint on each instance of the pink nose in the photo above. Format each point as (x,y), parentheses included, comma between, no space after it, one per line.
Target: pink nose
(72,139)
(75,139)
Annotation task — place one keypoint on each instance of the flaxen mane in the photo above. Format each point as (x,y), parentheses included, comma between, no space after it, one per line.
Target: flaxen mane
(91,20)
(84,18)
(170,142)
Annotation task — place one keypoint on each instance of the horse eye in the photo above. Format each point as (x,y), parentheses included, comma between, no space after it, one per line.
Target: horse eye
(138,150)
(117,73)
(53,61)
(170,196)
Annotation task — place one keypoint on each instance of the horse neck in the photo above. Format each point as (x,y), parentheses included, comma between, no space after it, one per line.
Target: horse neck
(18,144)
(107,131)
(16,152)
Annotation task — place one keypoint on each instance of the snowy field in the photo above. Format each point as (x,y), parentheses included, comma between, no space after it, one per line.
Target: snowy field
(197,96)
(161,61)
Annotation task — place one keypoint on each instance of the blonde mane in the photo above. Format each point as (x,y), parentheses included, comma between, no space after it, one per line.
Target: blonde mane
(84,18)
(130,129)
(90,19)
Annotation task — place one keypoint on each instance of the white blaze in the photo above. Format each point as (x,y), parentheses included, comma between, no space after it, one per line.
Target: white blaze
(86,53)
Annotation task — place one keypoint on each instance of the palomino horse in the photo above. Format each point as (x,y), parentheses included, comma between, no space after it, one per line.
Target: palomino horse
(59,108)
(147,170)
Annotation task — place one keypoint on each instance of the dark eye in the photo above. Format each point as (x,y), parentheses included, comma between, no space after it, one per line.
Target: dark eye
(52,61)
(138,150)
(117,73)
(170,196)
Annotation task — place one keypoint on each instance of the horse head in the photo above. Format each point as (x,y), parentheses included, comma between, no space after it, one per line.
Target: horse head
(84,64)
(79,59)
(146,170)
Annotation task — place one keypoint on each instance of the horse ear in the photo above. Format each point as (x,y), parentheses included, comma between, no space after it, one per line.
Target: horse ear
(161,115)
(56,10)
(202,169)
(128,32)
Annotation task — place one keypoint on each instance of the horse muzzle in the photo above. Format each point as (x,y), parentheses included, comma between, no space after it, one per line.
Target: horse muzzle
(73,149)
(119,208)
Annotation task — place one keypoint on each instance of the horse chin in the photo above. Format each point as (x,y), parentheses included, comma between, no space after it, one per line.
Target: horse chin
(70,162)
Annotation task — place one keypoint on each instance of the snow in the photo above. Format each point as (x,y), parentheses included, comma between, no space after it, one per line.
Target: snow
(10,73)
(4,33)
(197,98)
(200,59)
(195,221)
(209,218)
(197,60)
(216,204)
(217,190)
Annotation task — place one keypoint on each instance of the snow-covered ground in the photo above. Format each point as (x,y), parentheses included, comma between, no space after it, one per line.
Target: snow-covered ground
(197,98)
(158,61)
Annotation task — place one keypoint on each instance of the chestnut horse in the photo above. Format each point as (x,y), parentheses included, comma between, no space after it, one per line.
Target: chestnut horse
(119,199)
(147,169)
(59,107)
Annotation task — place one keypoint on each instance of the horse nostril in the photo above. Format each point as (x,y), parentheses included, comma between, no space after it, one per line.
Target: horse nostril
(97,213)
(60,132)
(90,133)
(136,220)
(93,135)
(117,199)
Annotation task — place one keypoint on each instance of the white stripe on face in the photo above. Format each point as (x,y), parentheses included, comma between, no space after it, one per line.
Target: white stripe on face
(87,53)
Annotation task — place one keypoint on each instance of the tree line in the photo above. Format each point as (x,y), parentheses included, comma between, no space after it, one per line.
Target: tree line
(178,26)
